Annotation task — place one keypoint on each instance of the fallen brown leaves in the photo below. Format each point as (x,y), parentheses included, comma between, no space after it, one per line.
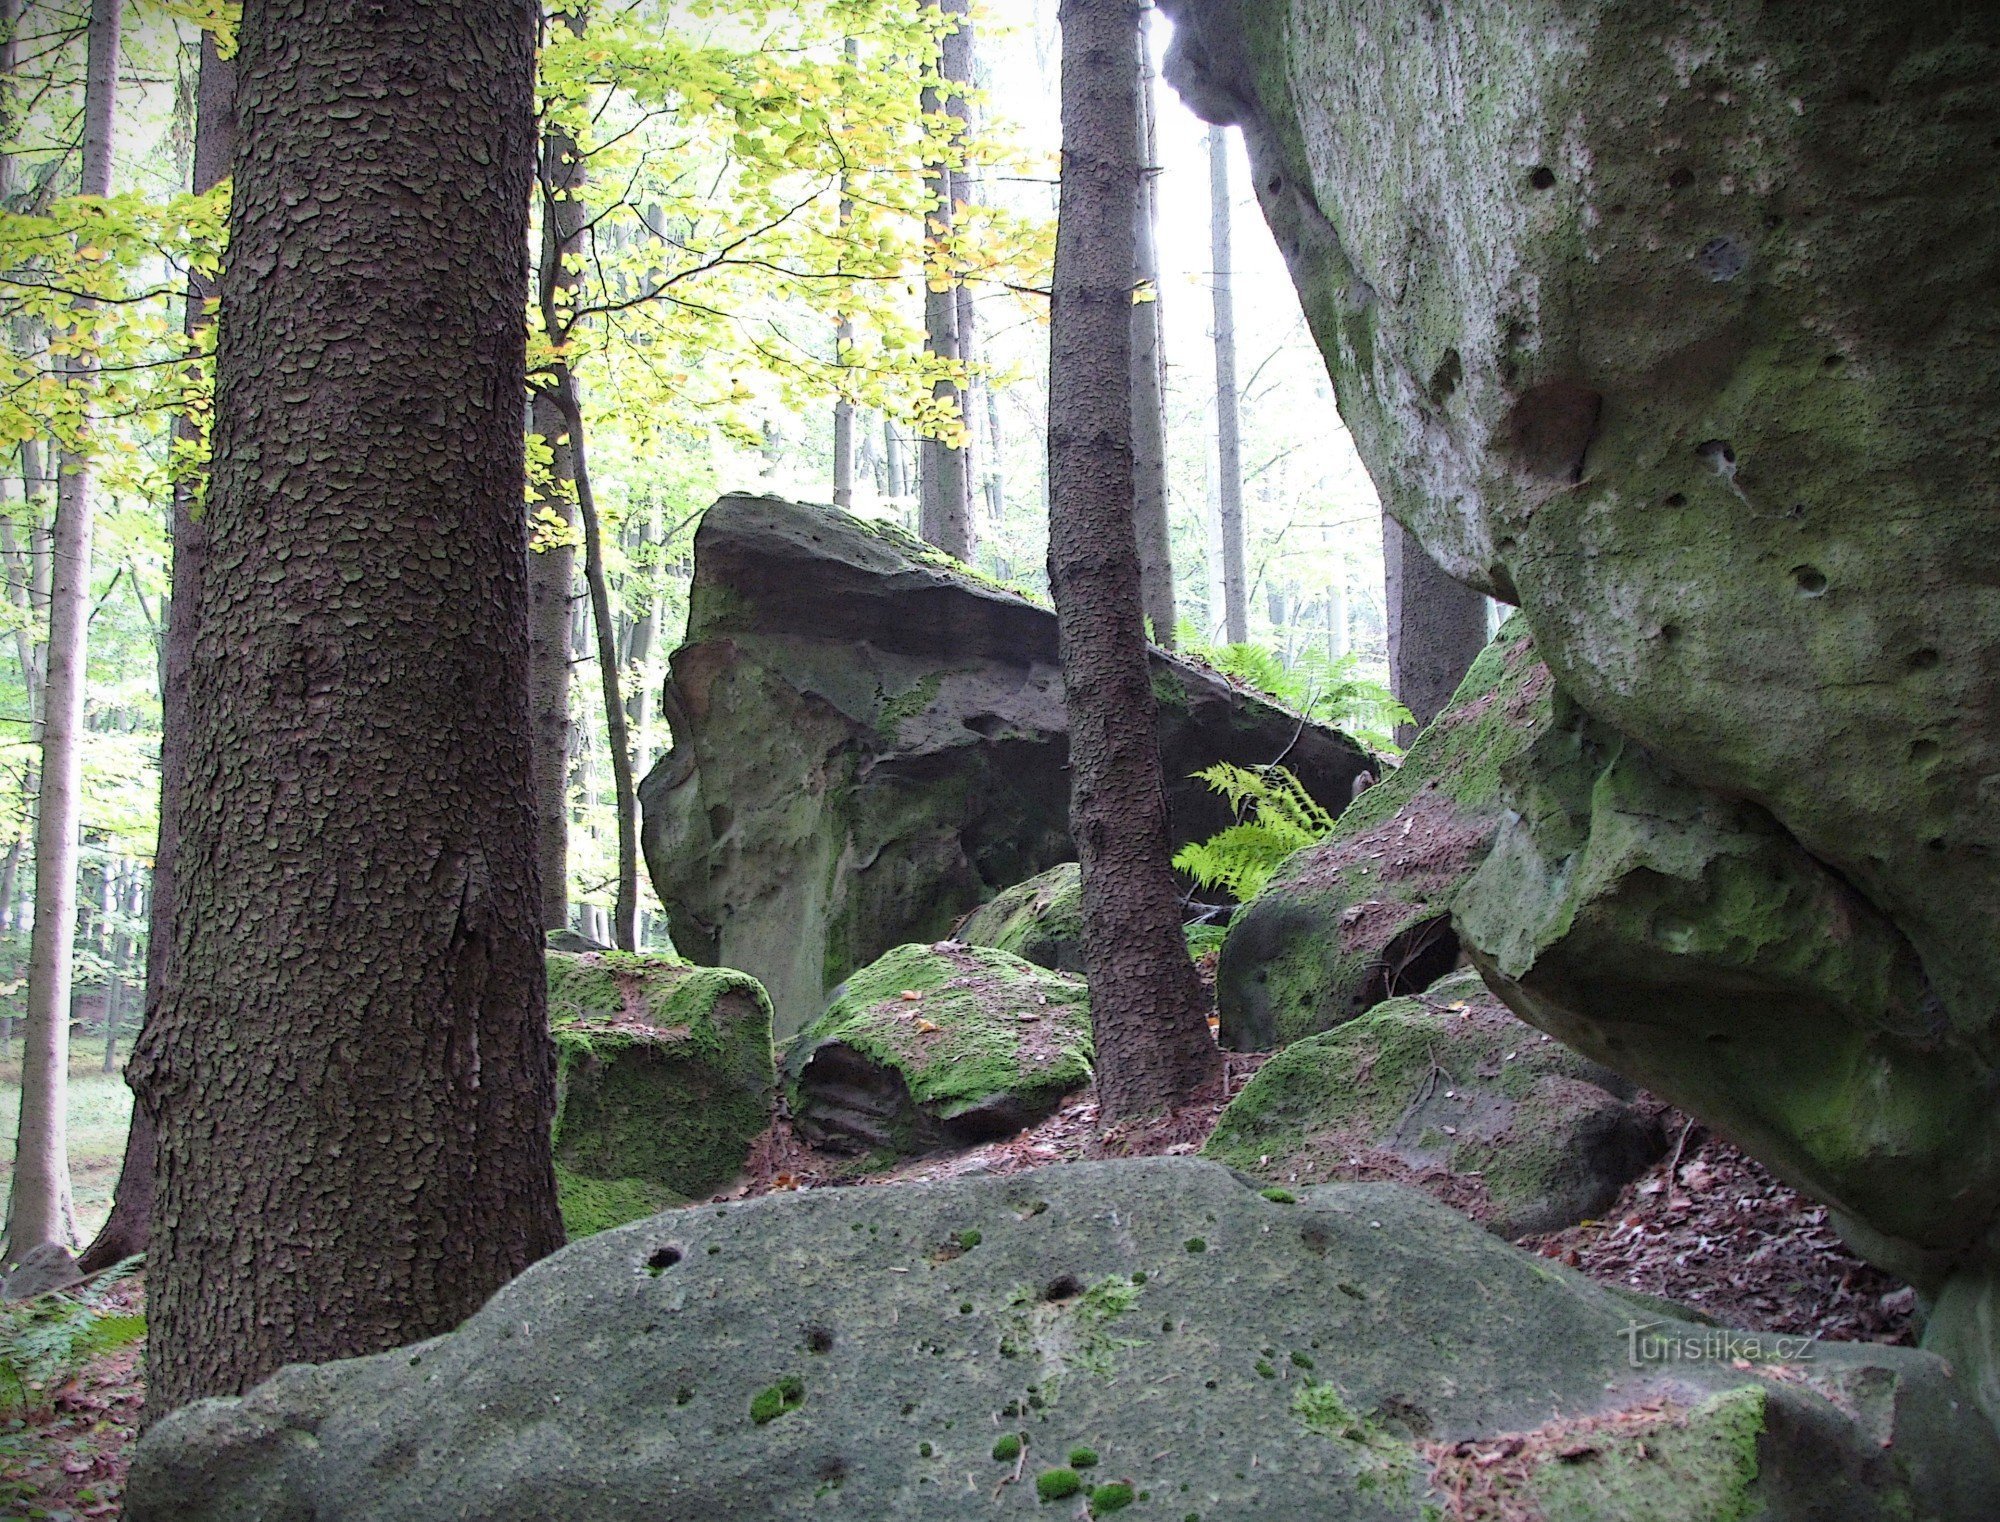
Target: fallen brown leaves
(1489,1479)
(68,1457)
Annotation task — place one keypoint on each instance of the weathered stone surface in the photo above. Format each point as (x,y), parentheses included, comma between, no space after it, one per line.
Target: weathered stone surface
(664,1076)
(938,1046)
(1450,1085)
(1675,325)
(1040,920)
(868,742)
(1366,914)
(861,1353)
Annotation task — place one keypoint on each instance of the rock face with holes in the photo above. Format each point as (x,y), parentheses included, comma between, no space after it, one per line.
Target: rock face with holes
(1674,324)
(664,1076)
(869,741)
(1150,1329)
(1449,1089)
(938,1046)
(1366,914)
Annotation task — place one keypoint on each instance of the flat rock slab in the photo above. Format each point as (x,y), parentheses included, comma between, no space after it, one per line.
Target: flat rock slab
(861,1353)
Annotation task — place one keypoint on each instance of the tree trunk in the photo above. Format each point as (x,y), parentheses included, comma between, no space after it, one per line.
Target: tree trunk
(350,1066)
(552,564)
(843,341)
(892,459)
(944,516)
(1228,431)
(1149,380)
(40,1209)
(125,1229)
(1147,1011)
(1436,626)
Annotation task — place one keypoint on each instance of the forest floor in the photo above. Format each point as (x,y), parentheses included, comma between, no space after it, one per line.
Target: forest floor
(1705,1227)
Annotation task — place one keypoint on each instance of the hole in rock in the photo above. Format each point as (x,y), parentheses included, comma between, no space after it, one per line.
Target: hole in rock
(1415,957)
(720,818)
(1445,379)
(819,1339)
(1719,453)
(663,1260)
(1924,659)
(1722,259)
(1550,429)
(1833,361)
(1677,499)
(1680,179)
(1275,184)
(1935,843)
(1063,1287)
(1923,750)
(1543,178)
(1810,580)
(1670,632)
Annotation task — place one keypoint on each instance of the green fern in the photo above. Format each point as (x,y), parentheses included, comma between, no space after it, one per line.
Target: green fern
(1275,817)
(45,1340)
(1332,691)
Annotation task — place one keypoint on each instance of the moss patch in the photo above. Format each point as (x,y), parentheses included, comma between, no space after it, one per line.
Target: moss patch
(591,1205)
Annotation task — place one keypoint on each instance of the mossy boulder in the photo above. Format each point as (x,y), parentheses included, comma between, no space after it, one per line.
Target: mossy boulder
(870,740)
(938,1046)
(1361,1354)
(1040,920)
(1365,915)
(664,1076)
(1452,1090)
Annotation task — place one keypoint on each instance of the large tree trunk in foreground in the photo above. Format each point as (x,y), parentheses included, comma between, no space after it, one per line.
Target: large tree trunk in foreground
(125,1229)
(1149,387)
(39,1208)
(1228,430)
(1147,1012)
(350,1066)
(1437,627)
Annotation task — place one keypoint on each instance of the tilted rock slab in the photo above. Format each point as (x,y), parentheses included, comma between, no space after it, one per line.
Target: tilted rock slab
(870,741)
(1674,324)
(1490,1114)
(938,1046)
(866,1353)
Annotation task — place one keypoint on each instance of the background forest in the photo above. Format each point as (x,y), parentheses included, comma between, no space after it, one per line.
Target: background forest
(743,267)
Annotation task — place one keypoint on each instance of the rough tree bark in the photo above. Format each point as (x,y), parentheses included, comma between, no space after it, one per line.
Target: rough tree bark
(944,511)
(1149,385)
(350,1067)
(552,565)
(1437,627)
(39,1208)
(1148,1015)
(1228,430)
(125,1230)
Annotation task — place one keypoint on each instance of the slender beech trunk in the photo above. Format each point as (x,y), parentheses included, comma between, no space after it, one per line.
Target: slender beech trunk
(1149,382)
(944,515)
(552,564)
(1437,627)
(350,1064)
(40,1209)
(1228,430)
(125,1230)
(843,341)
(892,460)
(625,905)
(1147,1010)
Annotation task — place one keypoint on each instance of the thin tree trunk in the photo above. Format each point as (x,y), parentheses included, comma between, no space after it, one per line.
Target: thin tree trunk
(350,1064)
(125,1230)
(1228,430)
(40,1209)
(843,341)
(1149,380)
(1437,627)
(625,905)
(944,515)
(552,561)
(1147,1010)
(892,459)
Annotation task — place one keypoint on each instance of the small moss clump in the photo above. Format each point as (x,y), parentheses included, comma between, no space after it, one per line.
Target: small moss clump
(1195,1244)
(1057,1484)
(924,1450)
(1265,1369)
(969,1240)
(788,1394)
(1082,1458)
(1007,1447)
(1109,1498)
(1302,1361)
(1279,1196)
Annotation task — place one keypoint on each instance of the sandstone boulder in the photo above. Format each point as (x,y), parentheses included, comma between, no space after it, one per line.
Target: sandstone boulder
(870,741)
(1040,920)
(965,1348)
(938,1046)
(664,1076)
(1449,1089)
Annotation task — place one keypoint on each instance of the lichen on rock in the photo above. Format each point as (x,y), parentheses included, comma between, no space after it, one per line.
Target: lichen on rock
(936,1046)
(664,1076)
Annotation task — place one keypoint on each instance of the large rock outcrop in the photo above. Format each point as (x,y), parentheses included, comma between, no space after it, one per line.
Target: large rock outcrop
(869,741)
(1157,1332)
(1675,325)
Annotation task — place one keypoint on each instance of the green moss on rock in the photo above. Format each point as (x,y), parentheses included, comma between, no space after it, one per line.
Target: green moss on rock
(939,1045)
(1040,920)
(664,1076)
